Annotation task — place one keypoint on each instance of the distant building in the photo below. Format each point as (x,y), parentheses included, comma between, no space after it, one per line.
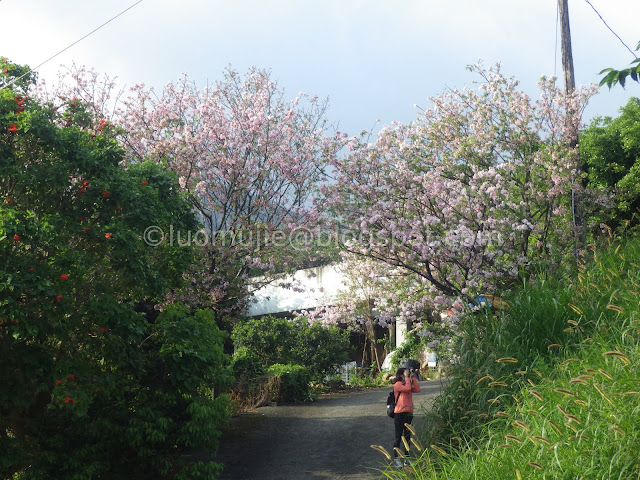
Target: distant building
(311,288)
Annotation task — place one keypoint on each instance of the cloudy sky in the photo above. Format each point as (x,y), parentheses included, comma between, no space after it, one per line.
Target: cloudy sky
(374,59)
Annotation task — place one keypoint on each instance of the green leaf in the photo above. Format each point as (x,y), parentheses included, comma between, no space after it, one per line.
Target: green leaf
(622,76)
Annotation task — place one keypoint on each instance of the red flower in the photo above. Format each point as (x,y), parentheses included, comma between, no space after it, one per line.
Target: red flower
(71,377)
(144,182)
(108,235)
(102,329)
(81,219)
(8,199)
(84,183)
(86,229)
(105,194)
(6,70)
(58,382)
(118,208)
(16,238)
(12,128)
(80,191)
(32,269)
(64,276)
(58,297)
(73,400)
(67,399)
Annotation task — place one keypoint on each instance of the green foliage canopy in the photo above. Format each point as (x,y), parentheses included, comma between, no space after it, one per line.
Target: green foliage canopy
(281,341)
(610,150)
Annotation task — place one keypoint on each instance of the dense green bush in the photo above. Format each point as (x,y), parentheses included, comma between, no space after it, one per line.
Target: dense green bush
(319,348)
(92,384)
(278,340)
(269,338)
(291,383)
(245,363)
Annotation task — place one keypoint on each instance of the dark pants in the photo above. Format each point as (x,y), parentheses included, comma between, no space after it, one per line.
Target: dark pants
(399,420)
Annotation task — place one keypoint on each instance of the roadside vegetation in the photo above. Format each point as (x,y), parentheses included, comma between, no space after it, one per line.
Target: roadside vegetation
(547,388)
(282,360)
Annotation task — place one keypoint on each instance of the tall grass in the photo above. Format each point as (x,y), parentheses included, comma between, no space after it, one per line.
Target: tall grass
(549,388)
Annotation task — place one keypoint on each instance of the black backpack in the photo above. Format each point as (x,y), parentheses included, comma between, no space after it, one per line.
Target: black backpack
(391,404)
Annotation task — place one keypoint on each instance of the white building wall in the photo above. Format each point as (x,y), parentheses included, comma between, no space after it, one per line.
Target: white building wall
(312,287)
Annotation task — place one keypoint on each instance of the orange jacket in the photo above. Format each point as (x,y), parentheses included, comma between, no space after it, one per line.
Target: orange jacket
(404,404)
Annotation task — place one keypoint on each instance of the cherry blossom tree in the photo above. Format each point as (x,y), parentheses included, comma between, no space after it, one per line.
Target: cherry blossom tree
(468,197)
(250,162)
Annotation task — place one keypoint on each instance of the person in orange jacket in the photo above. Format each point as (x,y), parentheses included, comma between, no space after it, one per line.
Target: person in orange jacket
(405,384)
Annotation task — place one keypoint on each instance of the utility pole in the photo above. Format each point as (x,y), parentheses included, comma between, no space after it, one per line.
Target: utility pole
(567,55)
(569,87)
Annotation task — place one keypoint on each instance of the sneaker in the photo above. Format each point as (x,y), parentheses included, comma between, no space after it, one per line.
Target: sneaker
(397,463)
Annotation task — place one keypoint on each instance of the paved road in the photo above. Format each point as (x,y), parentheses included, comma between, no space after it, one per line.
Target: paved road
(326,439)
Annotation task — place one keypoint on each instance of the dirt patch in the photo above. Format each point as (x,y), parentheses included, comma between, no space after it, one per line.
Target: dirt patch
(326,439)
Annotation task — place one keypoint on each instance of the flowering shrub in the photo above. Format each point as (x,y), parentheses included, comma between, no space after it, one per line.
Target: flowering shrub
(92,384)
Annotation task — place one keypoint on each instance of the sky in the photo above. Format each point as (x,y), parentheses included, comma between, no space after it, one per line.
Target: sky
(374,59)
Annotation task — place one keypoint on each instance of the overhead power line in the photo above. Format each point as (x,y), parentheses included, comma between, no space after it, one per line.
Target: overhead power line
(71,45)
(606,25)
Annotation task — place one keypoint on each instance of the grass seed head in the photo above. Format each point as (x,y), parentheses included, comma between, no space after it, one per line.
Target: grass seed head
(382,450)
(410,428)
(536,394)
(615,308)
(416,444)
(555,427)
(542,439)
(564,391)
(522,425)
(439,450)
(405,443)
(498,384)
(507,360)
(618,355)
